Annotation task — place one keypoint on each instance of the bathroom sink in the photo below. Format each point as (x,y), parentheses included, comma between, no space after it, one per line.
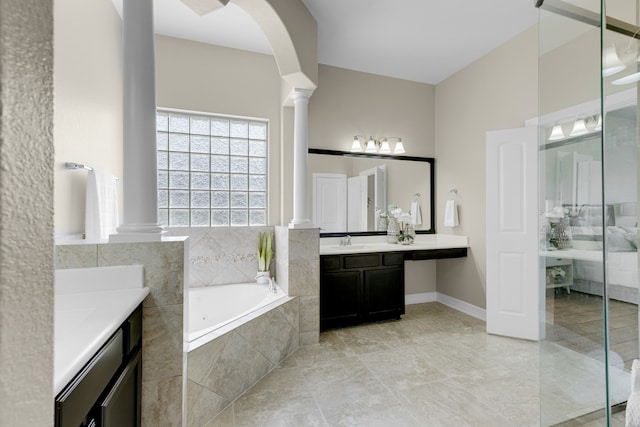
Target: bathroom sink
(348,247)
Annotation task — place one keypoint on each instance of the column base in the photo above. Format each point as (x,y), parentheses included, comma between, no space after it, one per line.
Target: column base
(137,233)
(304,223)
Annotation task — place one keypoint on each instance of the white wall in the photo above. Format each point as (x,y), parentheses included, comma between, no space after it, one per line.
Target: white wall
(499,91)
(88,102)
(26,213)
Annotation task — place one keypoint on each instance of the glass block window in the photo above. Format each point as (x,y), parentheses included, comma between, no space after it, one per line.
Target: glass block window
(212,170)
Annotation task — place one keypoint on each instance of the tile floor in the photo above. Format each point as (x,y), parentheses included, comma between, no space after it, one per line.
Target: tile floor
(435,367)
(575,321)
(429,369)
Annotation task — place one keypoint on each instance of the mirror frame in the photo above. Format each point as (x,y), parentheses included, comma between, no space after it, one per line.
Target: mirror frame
(430,160)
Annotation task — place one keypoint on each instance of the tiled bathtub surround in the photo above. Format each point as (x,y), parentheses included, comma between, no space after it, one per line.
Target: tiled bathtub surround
(223,369)
(298,267)
(220,256)
(162,356)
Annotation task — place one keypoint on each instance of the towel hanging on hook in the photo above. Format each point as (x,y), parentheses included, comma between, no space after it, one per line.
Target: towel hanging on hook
(451,209)
(416,213)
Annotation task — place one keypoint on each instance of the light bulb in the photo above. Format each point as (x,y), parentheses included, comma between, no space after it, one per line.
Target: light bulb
(371,146)
(579,128)
(384,146)
(399,148)
(355,146)
(556,133)
(611,63)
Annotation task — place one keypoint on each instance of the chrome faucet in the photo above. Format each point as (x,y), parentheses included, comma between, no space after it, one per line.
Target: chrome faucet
(272,286)
(345,241)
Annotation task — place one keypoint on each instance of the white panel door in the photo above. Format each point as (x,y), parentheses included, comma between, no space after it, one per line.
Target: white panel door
(381,193)
(357,191)
(330,202)
(514,293)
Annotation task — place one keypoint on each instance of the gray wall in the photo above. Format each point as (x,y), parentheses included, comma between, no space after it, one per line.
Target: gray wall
(499,91)
(26,213)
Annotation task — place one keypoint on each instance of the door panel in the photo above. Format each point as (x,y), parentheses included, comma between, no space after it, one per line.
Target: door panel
(513,288)
(330,201)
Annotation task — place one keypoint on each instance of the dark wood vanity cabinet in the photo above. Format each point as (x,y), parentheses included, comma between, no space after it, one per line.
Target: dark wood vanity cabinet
(360,288)
(107,391)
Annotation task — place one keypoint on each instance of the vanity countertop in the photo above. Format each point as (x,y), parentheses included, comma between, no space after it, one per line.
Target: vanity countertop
(90,305)
(369,244)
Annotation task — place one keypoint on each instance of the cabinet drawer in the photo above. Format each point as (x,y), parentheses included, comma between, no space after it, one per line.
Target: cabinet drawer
(78,398)
(361,261)
(330,262)
(121,406)
(393,258)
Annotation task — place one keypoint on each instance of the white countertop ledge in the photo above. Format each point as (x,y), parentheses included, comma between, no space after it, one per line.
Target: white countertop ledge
(369,244)
(90,305)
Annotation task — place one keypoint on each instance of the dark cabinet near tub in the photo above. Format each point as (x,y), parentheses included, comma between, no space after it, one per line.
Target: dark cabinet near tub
(107,391)
(358,288)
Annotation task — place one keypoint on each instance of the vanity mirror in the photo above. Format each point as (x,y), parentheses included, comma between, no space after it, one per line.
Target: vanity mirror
(349,192)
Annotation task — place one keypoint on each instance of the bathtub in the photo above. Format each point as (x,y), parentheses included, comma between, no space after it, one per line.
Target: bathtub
(215,310)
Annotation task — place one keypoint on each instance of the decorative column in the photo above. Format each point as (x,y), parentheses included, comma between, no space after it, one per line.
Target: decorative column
(300,155)
(140,186)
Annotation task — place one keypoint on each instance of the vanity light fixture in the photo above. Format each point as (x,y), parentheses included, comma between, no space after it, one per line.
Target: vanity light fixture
(598,123)
(630,51)
(377,145)
(356,147)
(579,128)
(631,78)
(556,133)
(371,146)
(611,63)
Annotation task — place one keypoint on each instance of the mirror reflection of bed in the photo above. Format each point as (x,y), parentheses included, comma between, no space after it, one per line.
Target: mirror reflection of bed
(604,241)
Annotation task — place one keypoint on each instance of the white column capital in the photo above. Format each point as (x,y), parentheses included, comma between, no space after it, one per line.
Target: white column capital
(298,94)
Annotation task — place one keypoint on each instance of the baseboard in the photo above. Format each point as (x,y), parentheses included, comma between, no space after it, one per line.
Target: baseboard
(465,307)
(420,298)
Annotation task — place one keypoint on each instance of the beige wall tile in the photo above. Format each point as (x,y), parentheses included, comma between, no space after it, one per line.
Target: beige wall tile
(162,402)
(164,267)
(162,333)
(201,360)
(76,256)
(271,335)
(233,375)
(309,314)
(290,311)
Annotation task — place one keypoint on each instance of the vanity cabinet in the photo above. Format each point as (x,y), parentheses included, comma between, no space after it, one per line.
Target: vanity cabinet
(107,390)
(360,288)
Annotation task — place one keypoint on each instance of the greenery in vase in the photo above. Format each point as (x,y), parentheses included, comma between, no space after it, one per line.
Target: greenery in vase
(265,253)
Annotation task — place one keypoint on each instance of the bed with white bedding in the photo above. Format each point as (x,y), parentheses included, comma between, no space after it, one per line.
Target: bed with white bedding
(621,261)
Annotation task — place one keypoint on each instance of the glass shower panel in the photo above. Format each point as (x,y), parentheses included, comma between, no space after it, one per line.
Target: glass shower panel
(572,354)
(589,75)
(620,159)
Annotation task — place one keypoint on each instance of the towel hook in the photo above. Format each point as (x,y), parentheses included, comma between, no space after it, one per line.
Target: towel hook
(453,191)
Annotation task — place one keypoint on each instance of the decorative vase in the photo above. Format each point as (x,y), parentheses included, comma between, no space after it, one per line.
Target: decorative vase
(262,277)
(410,233)
(392,230)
